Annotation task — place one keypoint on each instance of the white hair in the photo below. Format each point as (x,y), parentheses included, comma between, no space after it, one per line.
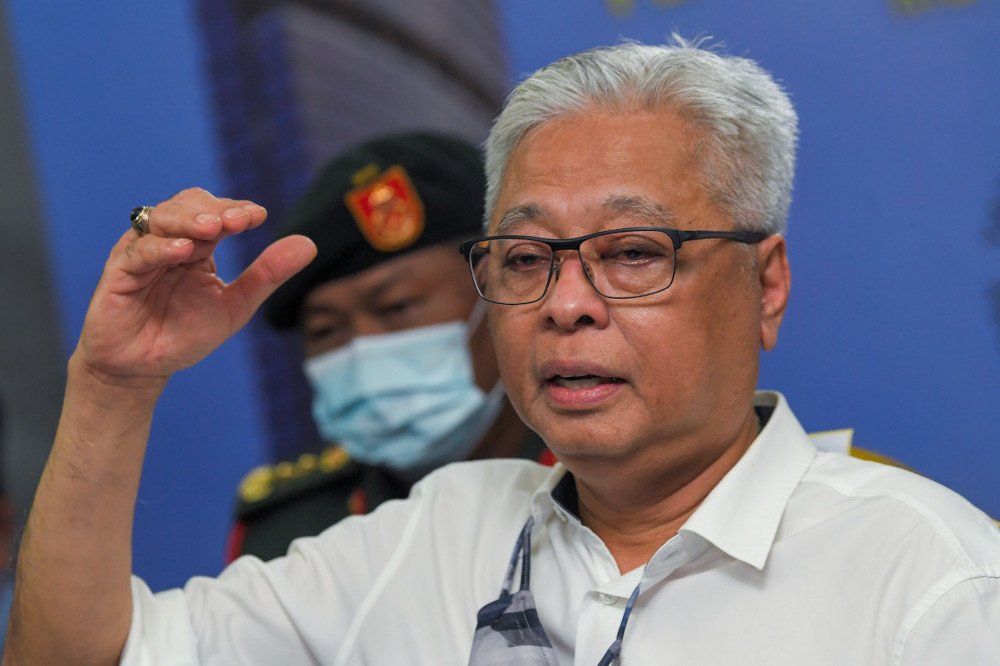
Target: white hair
(747,155)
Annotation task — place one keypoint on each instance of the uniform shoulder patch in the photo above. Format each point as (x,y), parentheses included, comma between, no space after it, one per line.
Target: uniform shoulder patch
(272,483)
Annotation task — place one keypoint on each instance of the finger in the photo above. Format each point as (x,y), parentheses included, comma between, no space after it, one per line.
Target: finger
(276,264)
(237,218)
(257,212)
(236,215)
(191,213)
(196,213)
(134,256)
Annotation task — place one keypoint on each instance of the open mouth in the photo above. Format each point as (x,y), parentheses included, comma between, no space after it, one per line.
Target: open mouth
(581,381)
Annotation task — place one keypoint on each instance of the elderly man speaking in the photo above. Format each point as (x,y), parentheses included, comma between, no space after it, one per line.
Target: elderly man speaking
(634,267)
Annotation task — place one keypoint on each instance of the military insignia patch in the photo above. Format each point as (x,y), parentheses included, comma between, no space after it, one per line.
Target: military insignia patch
(388,210)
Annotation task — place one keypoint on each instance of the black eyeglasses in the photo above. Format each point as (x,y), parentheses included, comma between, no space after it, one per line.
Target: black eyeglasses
(619,263)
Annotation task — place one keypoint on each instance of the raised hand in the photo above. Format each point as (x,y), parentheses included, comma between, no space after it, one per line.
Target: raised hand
(160,306)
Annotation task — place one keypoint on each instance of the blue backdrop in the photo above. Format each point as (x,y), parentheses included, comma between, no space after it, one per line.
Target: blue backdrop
(890,329)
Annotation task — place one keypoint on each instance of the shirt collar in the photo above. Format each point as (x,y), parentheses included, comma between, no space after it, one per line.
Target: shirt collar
(741,514)
(543,504)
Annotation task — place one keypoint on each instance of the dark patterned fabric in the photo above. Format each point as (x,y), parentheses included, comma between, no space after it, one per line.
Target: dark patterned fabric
(508,631)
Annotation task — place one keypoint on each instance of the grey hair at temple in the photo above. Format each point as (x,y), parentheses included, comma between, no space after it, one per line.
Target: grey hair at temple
(750,126)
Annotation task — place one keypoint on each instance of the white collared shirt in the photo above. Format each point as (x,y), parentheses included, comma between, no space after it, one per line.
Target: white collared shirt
(796,557)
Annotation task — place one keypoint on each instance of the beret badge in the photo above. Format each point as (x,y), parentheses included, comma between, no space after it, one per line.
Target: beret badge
(386,207)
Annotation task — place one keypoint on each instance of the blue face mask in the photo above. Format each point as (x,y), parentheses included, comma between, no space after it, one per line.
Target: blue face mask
(406,400)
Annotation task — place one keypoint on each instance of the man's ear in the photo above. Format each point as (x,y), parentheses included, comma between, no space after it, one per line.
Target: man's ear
(775,283)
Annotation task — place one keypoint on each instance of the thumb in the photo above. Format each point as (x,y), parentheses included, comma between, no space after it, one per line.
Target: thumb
(279,261)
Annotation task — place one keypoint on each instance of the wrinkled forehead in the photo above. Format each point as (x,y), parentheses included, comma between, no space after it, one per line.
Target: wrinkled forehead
(601,171)
(633,206)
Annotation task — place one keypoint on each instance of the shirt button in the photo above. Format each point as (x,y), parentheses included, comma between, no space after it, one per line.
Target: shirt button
(608,599)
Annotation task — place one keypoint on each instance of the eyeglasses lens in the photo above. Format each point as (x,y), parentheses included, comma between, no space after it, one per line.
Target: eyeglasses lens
(624,264)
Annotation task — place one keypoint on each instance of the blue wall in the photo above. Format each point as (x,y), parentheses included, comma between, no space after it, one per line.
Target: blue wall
(889,331)
(119,116)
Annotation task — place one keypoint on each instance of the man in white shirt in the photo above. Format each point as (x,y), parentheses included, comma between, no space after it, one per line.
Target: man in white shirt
(634,266)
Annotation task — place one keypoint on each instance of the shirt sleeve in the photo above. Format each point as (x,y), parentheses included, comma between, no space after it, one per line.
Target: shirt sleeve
(961,626)
(158,620)
(293,610)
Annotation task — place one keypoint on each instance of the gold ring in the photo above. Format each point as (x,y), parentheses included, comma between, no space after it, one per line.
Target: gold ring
(140,220)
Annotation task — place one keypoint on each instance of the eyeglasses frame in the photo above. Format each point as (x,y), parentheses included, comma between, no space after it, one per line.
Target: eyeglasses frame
(677,236)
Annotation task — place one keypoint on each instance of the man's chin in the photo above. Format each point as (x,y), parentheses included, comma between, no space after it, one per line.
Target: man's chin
(589,448)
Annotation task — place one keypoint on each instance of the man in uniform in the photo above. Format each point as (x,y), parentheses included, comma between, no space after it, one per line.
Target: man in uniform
(402,368)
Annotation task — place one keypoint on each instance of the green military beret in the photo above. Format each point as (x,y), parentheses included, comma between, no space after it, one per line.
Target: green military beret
(376,201)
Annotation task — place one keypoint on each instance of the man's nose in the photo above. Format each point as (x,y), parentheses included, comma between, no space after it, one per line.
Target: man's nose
(571,300)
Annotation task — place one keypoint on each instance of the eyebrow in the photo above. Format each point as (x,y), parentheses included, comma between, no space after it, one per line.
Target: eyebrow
(516,215)
(316,310)
(370,294)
